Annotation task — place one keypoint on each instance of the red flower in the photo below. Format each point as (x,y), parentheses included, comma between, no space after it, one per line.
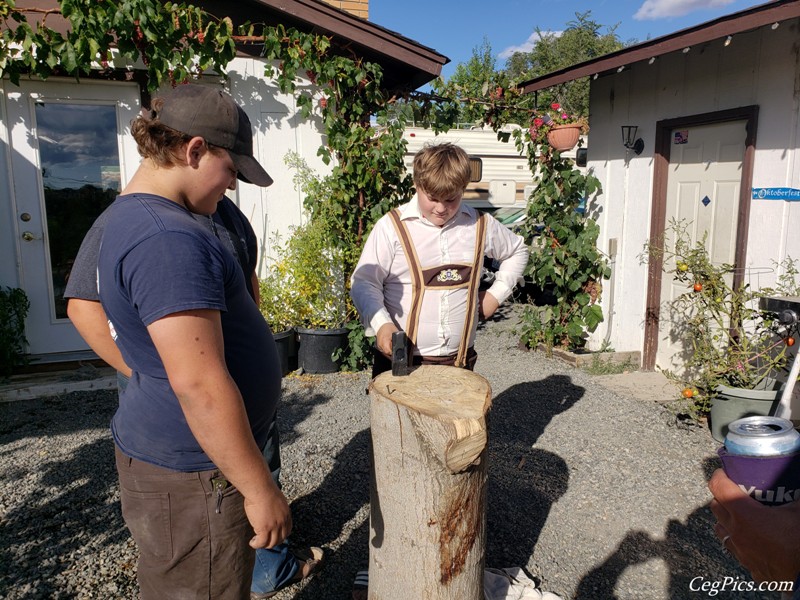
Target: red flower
(564,116)
(555,106)
(323,102)
(538,121)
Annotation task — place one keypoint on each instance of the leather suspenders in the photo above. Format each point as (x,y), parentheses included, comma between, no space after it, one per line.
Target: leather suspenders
(448,277)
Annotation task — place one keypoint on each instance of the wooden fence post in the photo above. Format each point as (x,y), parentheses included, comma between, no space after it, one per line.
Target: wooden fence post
(428,490)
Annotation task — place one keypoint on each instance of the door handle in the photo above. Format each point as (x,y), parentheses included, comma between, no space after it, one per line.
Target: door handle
(28,236)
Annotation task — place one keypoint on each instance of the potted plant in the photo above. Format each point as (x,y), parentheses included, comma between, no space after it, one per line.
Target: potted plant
(306,288)
(280,307)
(560,129)
(14,306)
(562,232)
(734,352)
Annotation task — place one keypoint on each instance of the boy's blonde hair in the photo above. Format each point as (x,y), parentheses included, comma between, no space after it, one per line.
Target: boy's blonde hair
(441,170)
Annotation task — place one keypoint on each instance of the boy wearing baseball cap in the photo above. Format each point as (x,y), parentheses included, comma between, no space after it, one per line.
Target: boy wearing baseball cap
(196,493)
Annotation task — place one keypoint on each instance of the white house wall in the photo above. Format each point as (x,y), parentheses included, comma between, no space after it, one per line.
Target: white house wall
(279,130)
(758,68)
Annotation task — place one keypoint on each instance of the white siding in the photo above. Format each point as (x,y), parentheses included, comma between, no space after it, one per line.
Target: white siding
(501,161)
(279,130)
(757,68)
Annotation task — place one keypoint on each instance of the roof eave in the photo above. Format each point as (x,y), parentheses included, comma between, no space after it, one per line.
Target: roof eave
(753,18)
(406,63)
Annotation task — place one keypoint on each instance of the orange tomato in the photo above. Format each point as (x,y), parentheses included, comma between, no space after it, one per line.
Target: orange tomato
(688,392)
(790,341)
(698,287)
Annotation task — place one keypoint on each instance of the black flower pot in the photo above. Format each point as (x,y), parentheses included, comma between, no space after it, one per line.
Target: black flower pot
(316,347)
(285,342)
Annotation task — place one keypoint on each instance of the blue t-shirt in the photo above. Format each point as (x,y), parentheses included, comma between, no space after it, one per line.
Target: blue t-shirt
(156,259)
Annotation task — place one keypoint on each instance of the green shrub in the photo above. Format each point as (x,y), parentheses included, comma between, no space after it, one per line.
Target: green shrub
(305,286)
(14,306)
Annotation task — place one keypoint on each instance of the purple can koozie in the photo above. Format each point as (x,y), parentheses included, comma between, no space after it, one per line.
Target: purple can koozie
(772,480)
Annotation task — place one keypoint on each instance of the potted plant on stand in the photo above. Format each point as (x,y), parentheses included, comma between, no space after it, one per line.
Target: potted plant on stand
(735,353)
(562,232)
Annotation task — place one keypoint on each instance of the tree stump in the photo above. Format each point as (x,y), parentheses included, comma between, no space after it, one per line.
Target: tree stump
(428,490)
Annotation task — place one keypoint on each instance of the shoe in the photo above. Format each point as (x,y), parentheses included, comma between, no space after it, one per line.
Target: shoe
(309,560)
(361,585)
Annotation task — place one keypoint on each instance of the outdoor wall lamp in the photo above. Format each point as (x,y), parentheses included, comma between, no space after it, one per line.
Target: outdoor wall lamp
(629,139)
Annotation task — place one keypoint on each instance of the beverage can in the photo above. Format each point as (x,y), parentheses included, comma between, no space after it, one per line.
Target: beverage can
(762,436)
(762,456)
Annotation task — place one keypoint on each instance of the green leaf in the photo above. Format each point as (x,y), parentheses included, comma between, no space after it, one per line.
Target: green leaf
(593,316)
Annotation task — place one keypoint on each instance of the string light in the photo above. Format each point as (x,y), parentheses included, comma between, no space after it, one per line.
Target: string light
(728,41)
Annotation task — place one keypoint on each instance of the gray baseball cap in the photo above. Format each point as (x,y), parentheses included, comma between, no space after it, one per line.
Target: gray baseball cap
(211,114)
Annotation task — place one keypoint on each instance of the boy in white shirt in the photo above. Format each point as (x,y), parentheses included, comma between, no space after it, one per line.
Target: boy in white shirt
(420,268)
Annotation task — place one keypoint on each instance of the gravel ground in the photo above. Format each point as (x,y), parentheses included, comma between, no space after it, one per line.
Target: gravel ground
(596,494)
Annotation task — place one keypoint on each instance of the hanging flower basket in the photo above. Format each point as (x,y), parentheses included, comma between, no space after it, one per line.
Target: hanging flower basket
(563,137)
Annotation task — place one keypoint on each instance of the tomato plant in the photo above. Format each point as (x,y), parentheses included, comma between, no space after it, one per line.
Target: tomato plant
(725,337)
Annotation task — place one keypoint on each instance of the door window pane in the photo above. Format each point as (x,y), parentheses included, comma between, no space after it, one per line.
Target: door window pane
(79,158)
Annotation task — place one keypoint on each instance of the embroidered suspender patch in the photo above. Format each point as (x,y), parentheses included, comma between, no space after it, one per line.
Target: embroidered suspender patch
(449,276)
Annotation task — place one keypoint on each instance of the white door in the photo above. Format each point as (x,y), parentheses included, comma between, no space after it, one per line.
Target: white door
(705,175)
(71,151)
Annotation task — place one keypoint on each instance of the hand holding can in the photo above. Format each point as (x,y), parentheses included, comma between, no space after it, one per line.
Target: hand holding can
(762,456)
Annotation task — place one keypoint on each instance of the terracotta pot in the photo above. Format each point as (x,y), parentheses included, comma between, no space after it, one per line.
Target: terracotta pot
(563,137)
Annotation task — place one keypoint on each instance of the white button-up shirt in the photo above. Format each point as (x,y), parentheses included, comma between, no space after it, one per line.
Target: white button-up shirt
(381,283)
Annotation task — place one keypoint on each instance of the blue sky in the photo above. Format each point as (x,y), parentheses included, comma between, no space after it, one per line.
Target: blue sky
(455,27)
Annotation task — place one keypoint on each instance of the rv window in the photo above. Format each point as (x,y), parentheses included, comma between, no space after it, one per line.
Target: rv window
(475,169)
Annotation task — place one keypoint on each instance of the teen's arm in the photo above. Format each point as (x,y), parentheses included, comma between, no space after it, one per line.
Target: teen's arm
(510,250)
(367,282)
(191,348)
(91,322)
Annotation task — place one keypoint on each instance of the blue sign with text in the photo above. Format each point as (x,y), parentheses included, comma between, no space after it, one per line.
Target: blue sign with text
(787,194)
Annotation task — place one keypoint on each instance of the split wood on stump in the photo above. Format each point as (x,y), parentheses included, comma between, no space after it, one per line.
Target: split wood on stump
(428,491)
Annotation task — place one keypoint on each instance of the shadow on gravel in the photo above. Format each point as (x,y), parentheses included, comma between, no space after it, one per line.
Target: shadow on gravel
(524,481)
(76,411)
(689,550)
(294,408)
(321,516)
(36,538)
